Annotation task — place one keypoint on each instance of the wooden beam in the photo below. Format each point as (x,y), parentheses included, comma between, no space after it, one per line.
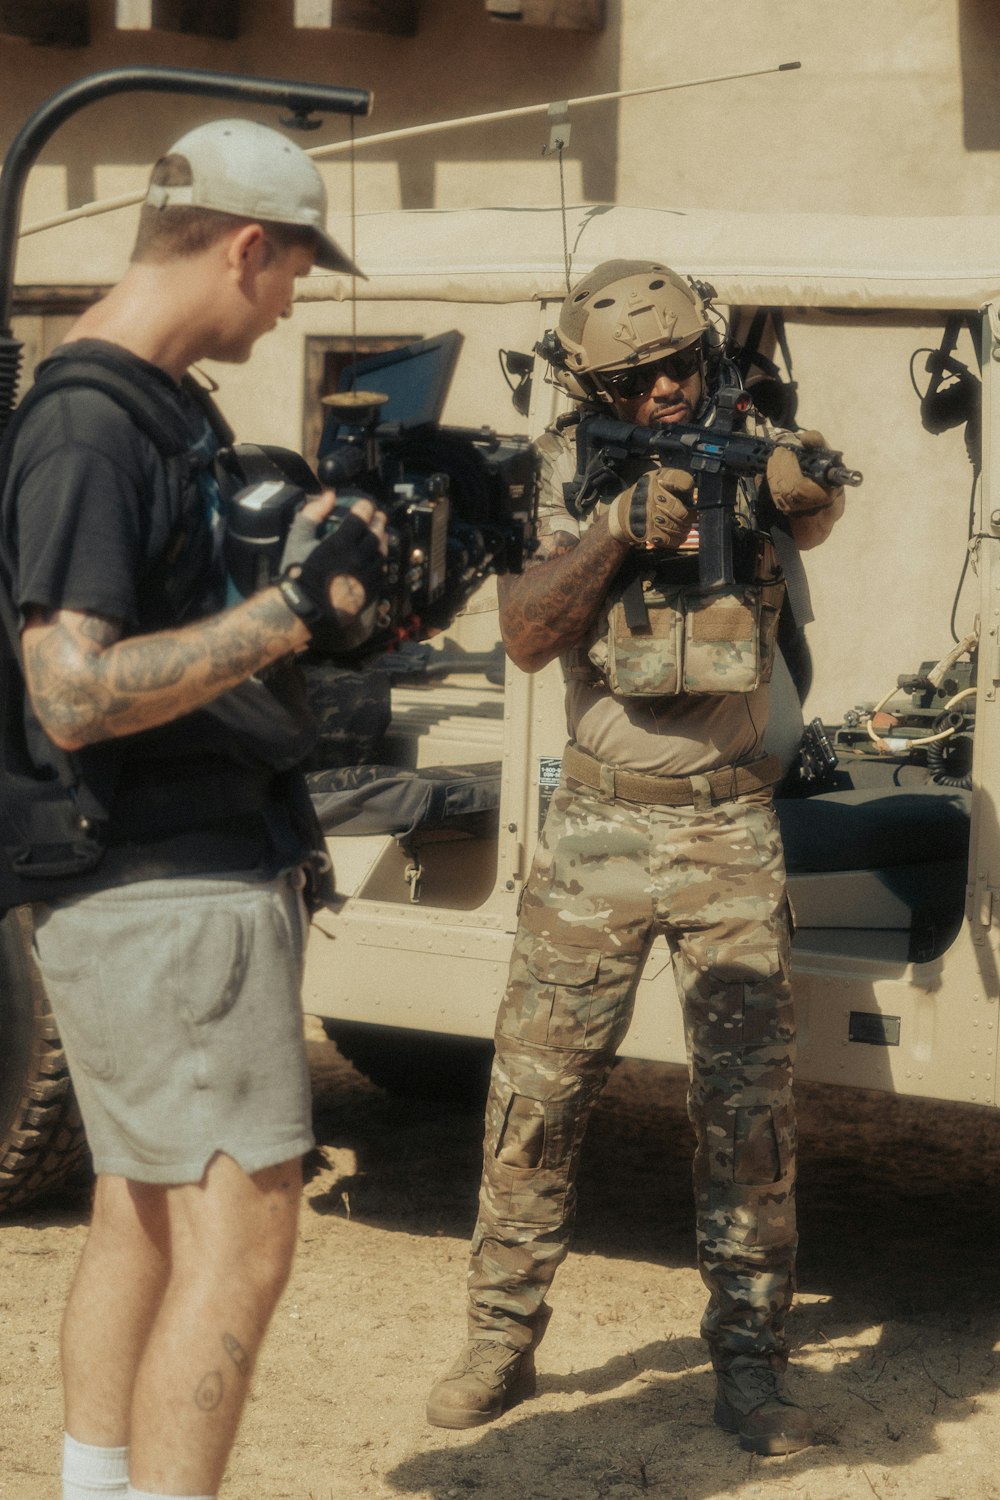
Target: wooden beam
(566,15)
(391,17)
(67,301)
(47,23)
(219,18)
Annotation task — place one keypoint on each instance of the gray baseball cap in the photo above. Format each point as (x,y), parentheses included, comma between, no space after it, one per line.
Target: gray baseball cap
(240,167)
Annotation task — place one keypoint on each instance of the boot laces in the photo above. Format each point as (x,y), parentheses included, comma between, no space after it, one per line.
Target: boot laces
(486,1357)
(757,1384)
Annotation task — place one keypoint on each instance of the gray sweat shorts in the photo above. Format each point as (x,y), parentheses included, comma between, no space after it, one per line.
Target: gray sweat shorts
(178,1005)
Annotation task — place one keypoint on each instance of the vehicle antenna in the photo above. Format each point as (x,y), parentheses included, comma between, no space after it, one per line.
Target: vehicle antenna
(559,133)
(353,159)
(128,200)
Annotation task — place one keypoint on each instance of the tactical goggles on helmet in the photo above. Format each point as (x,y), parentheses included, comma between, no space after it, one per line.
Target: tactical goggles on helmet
(640,379)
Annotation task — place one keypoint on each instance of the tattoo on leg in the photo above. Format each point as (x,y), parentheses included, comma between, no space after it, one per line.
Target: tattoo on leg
(209,1392)
(236,1353)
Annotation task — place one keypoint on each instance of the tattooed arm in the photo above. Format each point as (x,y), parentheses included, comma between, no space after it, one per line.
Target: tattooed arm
(550,606)
(88,684)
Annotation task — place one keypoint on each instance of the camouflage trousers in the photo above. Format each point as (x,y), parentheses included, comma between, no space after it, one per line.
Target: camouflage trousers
(608,876)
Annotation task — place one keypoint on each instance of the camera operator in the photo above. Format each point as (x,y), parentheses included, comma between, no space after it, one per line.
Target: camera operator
(172,953)
(663,822)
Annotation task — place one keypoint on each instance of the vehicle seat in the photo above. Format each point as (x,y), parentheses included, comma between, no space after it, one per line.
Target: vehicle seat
(868,829)
(892,859)
(455,801)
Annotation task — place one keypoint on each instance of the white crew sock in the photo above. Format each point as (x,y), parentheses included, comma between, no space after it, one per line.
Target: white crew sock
(88,1471)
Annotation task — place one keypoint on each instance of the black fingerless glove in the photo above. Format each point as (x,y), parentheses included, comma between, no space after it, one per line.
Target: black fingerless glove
(350,550)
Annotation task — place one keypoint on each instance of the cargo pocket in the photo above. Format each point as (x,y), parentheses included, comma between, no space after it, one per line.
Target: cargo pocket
(756,1151)
(522,1136)
(523,1186)
(549,994)
(748,1197)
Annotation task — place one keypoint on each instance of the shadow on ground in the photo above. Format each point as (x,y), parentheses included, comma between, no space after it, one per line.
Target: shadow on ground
(896,1322)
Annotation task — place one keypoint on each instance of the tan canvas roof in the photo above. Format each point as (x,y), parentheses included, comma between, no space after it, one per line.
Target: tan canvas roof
(787,260)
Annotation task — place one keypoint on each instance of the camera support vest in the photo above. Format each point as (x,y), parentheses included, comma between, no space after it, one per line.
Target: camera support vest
(51,824)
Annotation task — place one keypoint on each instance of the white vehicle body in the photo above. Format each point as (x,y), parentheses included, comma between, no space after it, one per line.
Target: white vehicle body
(859,295)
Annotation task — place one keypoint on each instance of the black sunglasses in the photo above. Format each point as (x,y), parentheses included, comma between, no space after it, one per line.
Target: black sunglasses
(641,378)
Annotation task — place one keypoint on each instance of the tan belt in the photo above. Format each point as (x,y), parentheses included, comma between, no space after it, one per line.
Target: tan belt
(671,791)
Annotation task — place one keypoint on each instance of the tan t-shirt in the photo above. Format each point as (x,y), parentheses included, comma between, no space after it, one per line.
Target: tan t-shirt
(683,735)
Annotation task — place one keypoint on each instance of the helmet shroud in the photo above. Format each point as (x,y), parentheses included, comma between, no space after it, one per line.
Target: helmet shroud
(627,312)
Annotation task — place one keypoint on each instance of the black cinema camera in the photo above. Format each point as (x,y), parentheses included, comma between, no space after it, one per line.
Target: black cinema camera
(459,501)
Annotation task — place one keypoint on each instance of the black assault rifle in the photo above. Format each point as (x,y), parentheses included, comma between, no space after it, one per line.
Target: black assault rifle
(719,455)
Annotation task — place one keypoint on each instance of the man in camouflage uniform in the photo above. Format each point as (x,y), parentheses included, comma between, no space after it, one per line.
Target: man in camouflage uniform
(663,822)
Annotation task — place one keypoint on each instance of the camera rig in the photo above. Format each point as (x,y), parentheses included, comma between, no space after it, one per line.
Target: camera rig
(459,501)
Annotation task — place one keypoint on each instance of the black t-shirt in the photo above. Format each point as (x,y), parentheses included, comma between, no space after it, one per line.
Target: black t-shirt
(94,509)
(94,519)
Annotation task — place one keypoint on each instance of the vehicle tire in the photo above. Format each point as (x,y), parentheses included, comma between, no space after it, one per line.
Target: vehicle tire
(41,1135)
(417,1064)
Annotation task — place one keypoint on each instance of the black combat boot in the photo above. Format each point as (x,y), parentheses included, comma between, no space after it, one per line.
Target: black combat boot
(752,1402)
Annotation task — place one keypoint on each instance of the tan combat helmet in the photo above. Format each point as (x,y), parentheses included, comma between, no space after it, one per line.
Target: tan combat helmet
(626,312)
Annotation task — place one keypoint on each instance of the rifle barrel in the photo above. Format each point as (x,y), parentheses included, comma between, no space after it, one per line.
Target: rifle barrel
(837,474)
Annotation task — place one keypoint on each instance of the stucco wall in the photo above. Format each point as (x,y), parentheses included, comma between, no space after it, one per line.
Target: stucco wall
(895,109)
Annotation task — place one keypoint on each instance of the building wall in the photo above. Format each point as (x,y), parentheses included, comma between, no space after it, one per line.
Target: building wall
(895,109)
(459,64)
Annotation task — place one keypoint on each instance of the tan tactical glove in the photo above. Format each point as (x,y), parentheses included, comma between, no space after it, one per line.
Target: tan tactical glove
(791,490)
(656,511)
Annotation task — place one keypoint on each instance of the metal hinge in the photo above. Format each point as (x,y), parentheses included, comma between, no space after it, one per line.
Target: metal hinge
(993,316)
(413,875)
(981,903)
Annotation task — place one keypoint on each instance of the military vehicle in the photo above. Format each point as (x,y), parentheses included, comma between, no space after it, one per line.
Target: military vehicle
(884,333)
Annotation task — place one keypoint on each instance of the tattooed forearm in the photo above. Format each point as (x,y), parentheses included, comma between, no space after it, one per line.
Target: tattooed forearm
(87,684)
(95,628)
(550,606)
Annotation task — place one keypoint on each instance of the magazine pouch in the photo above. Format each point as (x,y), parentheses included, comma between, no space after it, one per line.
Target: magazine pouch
(667,638)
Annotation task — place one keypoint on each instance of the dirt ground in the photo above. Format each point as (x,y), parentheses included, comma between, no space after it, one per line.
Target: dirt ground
(896,1328)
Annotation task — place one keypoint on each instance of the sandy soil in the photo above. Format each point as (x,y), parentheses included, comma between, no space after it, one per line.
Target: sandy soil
(896,1327)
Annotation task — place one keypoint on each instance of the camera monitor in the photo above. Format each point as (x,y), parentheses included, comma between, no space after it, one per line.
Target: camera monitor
(415,378)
